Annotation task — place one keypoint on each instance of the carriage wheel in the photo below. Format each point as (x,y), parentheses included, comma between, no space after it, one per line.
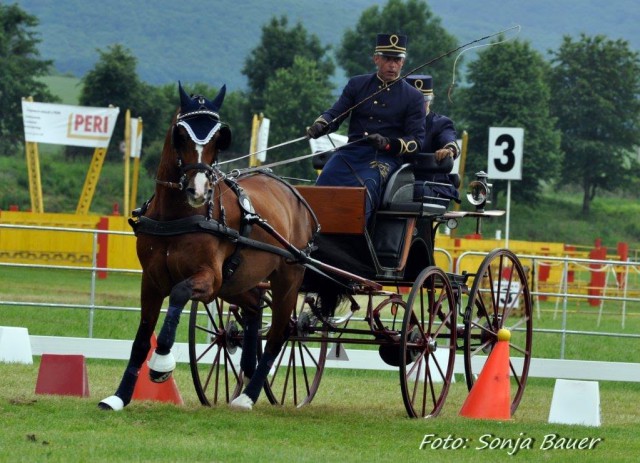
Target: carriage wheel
(215,367)
(499,298)
(295,376)
(428,342)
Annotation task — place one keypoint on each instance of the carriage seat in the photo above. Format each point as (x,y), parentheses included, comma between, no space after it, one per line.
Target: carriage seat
(396,218)
(398,195)
(431,175)
(425,164)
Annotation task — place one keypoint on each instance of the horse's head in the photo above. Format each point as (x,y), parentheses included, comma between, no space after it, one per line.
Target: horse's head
(197,136)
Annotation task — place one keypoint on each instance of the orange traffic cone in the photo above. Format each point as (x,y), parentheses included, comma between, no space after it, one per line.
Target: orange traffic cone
(160,392)
(490,396)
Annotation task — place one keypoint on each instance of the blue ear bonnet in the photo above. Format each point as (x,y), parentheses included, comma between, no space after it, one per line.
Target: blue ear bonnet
(199,116)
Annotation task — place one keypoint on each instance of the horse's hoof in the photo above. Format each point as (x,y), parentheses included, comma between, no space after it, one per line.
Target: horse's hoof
(158,376)
(161,366)
(114,403)
(242,402)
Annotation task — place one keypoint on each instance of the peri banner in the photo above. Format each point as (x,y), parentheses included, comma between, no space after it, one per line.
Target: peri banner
(68,125)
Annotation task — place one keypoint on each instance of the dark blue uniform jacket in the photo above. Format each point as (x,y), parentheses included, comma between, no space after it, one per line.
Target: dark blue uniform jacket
(439,133)
(397,112)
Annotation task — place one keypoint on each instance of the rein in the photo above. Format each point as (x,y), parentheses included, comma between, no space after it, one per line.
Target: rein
(305,156)
(288,161)
(280,145)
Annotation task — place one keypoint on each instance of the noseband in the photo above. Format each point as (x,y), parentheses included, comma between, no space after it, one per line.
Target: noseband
(210,171)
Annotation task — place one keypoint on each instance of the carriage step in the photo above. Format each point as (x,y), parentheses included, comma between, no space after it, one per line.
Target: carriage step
(338,352)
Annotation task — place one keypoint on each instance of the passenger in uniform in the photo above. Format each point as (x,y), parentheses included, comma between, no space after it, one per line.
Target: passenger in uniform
(441,139)
(386,122)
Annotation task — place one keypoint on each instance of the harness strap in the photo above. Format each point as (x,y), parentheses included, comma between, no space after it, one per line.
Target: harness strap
(293,190)
(199,224)
(232,263)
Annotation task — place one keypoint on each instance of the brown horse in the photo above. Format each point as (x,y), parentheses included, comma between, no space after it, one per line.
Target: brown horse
(205,234)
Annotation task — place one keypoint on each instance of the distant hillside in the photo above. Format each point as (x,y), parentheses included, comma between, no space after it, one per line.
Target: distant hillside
(208,41)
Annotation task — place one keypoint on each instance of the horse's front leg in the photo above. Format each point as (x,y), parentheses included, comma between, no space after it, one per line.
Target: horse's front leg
(141,344)
(162,362)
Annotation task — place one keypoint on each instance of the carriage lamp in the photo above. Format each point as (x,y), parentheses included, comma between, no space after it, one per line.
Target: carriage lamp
(479,191)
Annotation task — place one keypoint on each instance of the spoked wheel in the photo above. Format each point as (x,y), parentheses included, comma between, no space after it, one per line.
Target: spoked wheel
(499,298)
(428,342)
(215,344)
(295,376)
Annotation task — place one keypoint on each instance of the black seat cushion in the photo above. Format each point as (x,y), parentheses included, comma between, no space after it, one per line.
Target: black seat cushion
(425,164)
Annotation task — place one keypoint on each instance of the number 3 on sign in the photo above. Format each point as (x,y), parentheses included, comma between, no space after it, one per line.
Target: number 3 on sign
(505,153)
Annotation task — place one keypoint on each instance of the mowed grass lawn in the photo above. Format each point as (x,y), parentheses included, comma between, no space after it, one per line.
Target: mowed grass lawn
(356,415)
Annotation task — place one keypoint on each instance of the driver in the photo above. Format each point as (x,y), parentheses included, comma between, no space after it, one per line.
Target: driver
(382,127)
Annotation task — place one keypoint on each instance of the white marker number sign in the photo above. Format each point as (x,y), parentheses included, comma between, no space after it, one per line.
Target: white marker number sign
(505,153)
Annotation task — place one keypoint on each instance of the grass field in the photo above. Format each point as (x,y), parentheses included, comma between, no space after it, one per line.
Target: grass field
(356,416)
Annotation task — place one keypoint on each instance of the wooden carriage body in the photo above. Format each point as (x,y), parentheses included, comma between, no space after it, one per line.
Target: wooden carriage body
(398,243)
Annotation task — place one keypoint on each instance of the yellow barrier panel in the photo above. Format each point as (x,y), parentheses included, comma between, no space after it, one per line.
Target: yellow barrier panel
(43,246)
(119,250)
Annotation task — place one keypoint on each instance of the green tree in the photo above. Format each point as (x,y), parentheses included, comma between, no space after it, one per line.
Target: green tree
(595,85)
(291,97)
(427,40)
(114,81)
(21,66)
(508,88)
(279,45)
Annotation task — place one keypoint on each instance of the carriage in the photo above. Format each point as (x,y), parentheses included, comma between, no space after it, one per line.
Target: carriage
(415,314)
(255,257)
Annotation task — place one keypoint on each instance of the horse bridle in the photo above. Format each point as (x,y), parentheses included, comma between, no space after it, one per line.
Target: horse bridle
(208,169)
